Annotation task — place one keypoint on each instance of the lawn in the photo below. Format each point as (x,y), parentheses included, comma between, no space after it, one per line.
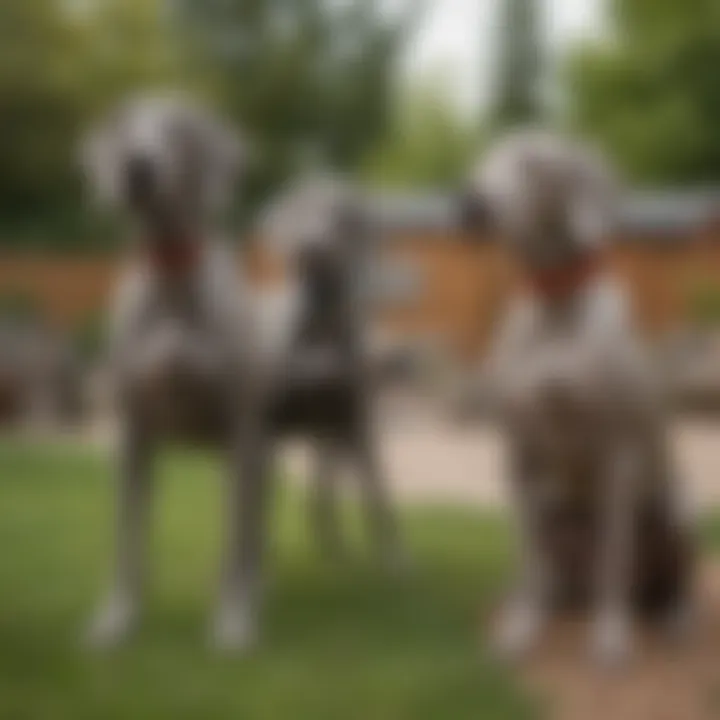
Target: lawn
(340,643)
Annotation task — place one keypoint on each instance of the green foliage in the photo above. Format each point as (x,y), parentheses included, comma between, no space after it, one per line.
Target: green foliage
(295,75)
(704,304)
(308,75)
(650,93)
(428,144)
(61,63)
(517,98)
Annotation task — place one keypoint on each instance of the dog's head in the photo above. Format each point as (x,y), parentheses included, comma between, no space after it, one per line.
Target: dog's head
(321,225)
(164,159)
(549,197)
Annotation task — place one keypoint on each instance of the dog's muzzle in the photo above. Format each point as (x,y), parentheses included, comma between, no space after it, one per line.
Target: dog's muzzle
(140,178)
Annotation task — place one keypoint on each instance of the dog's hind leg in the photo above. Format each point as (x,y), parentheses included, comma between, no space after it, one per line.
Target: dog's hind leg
(612,631)
(324,500)
(118,614)
(670,554)
(381,519)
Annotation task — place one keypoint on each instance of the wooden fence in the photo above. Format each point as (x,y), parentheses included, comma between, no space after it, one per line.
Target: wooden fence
(457,290)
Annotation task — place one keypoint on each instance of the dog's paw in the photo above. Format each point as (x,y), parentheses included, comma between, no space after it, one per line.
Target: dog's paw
(111,625)
(611,640)
(518,631)
(234,630)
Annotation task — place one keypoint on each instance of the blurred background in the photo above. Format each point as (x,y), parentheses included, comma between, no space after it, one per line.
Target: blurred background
(404,95)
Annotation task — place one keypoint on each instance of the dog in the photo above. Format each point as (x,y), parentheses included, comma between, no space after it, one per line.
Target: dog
(321,226)
(601,524)
(182,344)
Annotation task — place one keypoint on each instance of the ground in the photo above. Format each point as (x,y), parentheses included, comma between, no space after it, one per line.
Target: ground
(666,681)
(341,640)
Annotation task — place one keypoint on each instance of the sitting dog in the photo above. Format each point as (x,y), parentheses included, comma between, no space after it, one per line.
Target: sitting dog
(600,523)
(183,348)
(325,394)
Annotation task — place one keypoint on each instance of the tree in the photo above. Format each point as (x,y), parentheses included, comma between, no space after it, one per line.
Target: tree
(517,92)
(429,144)
(129,45)
(60,64)
(650,92)
(295,74)
(298,74)
(40,59)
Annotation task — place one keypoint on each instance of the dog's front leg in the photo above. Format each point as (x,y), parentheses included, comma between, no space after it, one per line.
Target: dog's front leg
(611,633)
(118,614)
(523,618)
(236,621)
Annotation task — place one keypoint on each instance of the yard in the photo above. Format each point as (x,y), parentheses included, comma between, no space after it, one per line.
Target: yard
(340,641)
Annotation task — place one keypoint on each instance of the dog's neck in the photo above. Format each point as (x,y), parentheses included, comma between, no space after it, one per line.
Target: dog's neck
(561,284)
(172,253)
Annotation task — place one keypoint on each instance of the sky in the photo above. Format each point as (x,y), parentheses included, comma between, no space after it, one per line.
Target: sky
(456,37)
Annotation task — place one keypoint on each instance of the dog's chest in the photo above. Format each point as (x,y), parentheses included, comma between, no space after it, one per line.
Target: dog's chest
(186,407)
(184,390)
(565,461)
(564,427)
(318,392)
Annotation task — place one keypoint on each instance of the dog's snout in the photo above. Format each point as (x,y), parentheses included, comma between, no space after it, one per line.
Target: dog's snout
(140,176)
(473,212)
(321,270)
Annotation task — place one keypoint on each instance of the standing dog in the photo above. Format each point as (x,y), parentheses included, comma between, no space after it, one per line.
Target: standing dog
(326,392)
(182,344)
(594,487)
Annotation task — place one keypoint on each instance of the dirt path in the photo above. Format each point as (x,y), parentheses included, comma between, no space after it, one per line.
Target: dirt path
(430,460)
(663,683)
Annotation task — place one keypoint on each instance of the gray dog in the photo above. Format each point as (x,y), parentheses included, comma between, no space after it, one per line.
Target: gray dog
(182,344)
(322,226)
(599,520)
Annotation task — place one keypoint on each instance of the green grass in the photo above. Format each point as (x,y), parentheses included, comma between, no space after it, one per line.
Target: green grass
(343,642)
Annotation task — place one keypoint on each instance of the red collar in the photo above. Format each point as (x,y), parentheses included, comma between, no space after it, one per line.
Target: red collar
(174,257)
(561,282)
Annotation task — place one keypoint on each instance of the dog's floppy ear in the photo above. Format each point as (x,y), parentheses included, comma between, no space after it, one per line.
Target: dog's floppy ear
(98,159)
